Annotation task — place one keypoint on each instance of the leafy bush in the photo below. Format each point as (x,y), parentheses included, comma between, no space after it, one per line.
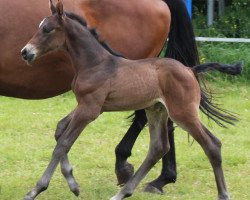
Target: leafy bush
(235,22)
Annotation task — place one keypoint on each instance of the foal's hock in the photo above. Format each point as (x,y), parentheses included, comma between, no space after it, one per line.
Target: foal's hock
(165,88)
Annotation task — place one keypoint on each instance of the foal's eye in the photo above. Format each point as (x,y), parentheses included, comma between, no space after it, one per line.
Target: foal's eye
(47,29)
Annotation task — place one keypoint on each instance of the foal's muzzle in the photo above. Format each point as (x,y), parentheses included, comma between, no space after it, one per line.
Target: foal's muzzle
(27,56)
(28,53)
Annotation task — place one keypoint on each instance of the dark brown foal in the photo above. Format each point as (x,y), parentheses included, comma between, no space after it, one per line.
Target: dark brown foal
(165,88)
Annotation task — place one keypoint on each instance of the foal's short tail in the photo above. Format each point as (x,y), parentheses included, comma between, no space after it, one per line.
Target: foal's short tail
(235,69)
(212,110)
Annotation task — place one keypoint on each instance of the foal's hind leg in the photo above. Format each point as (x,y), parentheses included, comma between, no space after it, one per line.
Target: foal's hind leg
(157,118)
(168,172)
(66,168)
(211,146)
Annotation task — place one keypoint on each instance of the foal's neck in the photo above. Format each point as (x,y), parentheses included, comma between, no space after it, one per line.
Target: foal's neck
(84,49)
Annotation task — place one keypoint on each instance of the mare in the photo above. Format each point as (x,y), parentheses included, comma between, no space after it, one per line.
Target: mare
(117,22)
(103,82)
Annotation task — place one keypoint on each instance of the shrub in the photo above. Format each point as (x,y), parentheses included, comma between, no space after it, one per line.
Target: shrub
(235,22)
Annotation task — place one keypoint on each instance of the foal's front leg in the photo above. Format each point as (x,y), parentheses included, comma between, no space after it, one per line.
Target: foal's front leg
(82,116)
(168,171)
(66,168)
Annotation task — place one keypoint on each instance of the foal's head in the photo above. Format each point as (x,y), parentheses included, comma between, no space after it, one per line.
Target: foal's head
(49,37)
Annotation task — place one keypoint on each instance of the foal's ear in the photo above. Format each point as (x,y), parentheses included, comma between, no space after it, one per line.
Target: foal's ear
(52,7)
(59,9)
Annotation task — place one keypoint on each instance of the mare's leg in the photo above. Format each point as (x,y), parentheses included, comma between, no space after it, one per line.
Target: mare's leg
(157,118)
(82,116)
(66,168)
(168,172)
(212,148)
(124,170)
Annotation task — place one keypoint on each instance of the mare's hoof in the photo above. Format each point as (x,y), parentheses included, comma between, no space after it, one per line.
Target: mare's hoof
(151,189)
(124,173)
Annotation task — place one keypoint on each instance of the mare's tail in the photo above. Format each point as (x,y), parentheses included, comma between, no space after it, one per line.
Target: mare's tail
(181,42)
(182,47)
(209,108)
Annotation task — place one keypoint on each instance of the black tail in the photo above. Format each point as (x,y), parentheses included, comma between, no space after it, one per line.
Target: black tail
(182,47)
(212,110)
(235,69)
(181,42)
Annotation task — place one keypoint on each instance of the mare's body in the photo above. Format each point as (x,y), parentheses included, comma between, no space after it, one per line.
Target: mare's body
(103,82)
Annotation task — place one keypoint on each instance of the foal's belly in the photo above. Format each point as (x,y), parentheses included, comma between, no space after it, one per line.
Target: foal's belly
(133,89)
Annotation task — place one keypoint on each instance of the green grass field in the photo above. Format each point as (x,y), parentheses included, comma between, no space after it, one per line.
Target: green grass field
(27,140)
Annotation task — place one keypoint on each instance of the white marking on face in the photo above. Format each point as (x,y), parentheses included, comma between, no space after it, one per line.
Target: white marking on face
(41,23)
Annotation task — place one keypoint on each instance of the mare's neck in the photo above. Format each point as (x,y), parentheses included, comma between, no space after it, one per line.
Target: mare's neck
(84,49)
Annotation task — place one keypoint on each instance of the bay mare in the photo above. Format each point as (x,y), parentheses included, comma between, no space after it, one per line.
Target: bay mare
(117,23)
(103,82)
(52,76)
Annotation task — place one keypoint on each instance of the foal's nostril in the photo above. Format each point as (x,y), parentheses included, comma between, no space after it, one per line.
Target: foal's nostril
(24,53)
(30,57)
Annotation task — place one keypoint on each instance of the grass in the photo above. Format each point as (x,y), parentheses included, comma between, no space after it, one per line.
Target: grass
(27,140)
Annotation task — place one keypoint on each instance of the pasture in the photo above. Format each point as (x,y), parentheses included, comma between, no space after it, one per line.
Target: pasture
(27,141)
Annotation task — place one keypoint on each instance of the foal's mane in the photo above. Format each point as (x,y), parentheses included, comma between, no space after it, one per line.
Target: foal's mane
(83,22)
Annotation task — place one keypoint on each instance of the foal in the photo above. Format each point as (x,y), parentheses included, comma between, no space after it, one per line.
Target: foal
(103,82)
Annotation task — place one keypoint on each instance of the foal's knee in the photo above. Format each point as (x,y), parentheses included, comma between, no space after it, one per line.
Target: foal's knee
(60,128)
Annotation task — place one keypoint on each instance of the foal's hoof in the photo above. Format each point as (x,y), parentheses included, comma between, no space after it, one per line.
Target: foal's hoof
(124,173)
(151,189)
(76,190)
(28,198)
(116,197)
(227,198)
(224,197)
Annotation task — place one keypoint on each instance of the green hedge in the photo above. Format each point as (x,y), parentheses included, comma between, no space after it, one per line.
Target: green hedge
(235,22)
